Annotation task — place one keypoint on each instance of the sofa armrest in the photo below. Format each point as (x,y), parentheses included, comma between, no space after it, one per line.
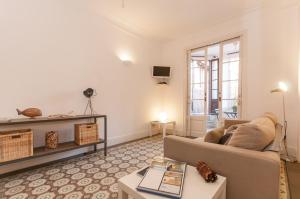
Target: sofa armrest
(228,123)
(250,174)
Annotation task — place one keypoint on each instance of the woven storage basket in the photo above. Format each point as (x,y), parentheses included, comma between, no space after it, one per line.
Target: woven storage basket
(51,140)
(86,133)
(15,144)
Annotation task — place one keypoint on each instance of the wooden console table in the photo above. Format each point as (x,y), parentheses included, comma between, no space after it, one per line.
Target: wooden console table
(62,147)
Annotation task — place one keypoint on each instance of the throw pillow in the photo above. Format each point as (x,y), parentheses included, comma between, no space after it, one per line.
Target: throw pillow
(255,135)
(271,116)
(231,129)
(227,135)
(214,136)
(277,143)
(225,139)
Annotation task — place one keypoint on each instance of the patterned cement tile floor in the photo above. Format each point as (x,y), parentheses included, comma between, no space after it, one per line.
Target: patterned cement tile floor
(91,176)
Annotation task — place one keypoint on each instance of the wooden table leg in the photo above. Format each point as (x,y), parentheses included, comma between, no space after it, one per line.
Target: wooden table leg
(150,129)
(164,129)
(105,136)
(95,145)
(122,194)
(174,125)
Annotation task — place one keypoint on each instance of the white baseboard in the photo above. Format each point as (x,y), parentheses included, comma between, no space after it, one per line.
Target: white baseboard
(292,152)
(179,132)
(126,138)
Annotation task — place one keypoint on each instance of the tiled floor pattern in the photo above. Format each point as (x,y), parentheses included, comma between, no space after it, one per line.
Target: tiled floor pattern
(91,176)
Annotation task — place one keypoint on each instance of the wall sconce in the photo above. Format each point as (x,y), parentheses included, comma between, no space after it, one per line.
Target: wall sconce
(125,58)
(283,86)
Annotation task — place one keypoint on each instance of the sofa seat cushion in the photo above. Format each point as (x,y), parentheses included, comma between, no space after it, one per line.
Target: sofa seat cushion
(255,135)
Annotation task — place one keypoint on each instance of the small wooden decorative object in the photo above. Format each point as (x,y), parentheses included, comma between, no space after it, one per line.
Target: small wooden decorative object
(30,112)
(51,140)
(15,144)
(86,133)
(206,172)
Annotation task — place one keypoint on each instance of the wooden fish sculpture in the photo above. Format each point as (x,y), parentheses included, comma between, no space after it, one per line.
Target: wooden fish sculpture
(30,112)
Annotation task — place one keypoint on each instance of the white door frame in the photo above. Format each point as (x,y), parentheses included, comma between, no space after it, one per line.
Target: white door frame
(186,101)
(222,44)
(199,120)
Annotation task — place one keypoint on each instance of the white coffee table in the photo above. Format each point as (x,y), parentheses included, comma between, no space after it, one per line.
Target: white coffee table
(194,187)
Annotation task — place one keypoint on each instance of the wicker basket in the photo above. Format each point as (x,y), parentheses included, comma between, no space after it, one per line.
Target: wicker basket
(15,144)
(86,133)
(51,140)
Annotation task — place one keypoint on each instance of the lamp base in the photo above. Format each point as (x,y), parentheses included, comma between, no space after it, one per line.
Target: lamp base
(288,158)
(284,155)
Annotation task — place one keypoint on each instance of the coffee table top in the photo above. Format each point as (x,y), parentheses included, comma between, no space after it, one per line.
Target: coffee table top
(194,186)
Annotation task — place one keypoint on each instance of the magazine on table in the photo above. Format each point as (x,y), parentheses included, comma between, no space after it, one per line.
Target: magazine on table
(164,177)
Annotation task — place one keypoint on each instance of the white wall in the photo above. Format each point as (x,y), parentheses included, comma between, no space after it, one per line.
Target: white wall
(50,51)
(270,54)
(298,156)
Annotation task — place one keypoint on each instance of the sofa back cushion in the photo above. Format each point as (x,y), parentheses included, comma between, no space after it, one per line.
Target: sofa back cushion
(255,135)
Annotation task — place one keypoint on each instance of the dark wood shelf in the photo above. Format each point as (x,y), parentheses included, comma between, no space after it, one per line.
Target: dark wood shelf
(62,147)
(47,119)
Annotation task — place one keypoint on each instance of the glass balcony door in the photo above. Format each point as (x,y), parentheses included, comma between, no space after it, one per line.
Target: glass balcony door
(230,84)
(197,96)
(214,92)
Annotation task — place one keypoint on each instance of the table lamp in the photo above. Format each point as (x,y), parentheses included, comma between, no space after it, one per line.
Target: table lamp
(163,117)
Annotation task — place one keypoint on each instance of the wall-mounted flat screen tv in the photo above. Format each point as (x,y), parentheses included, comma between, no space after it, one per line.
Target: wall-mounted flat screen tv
(161,71)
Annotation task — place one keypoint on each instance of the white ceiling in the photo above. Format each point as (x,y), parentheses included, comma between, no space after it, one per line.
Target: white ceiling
(169,19)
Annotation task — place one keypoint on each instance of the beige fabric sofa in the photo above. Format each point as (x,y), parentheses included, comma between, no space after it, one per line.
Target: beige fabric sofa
(250,174)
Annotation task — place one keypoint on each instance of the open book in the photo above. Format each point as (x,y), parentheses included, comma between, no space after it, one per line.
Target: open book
(164,177)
